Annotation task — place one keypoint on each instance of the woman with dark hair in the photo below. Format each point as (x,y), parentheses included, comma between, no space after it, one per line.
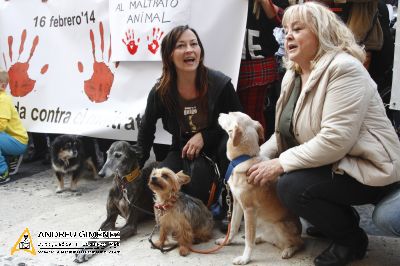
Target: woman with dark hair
(188,98)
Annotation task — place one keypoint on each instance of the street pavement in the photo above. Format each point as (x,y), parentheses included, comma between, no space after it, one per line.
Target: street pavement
(30,201)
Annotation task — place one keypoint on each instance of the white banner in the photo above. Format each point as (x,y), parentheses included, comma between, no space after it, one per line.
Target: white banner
(58,56)
(138,26)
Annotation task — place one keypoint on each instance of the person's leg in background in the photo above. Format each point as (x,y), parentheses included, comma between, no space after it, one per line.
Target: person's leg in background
(3,167)
(256,78)
(102,146)
(38,147)
(381,61)
(386,214)
(8,146)
(223,163)
(252,100)
(160,151)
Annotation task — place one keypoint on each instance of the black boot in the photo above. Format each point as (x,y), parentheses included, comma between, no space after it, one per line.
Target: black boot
(339,255)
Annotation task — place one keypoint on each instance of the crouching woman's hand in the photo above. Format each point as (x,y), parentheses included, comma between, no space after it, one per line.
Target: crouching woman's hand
(263,172)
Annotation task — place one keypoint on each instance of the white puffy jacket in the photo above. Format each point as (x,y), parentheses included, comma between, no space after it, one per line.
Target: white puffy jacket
(339,119)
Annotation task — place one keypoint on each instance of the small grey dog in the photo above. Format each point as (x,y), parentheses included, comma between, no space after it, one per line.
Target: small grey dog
(129,197)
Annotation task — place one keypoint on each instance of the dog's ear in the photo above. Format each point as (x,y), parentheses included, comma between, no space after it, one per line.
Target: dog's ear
(236,135)
(260,132)
(183,178)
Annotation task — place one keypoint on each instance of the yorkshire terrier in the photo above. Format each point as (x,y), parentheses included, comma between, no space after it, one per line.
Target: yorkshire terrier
(186,218)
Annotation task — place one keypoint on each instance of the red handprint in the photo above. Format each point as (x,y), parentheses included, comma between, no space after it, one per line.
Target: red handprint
(20,82)
(98,87)
(153,43)
(130,43)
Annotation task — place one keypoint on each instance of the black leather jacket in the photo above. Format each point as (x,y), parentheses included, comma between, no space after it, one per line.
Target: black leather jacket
(222,98)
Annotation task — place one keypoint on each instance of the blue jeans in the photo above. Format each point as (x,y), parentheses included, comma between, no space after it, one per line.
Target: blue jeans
(386,214)
(9,146)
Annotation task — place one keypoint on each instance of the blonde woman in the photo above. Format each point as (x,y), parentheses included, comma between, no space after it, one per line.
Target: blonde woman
(13,135)
(333,145)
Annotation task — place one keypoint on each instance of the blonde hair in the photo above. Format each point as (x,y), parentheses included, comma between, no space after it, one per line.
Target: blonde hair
(3,78)
(330,30)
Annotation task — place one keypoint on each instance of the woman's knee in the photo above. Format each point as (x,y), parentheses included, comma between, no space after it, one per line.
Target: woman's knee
(289,189)
(299,188)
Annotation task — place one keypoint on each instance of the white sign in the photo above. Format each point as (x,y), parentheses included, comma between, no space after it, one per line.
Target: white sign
(62,76)
(138,26)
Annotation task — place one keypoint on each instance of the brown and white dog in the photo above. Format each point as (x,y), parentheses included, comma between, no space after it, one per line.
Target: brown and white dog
(259,204)
(186,218)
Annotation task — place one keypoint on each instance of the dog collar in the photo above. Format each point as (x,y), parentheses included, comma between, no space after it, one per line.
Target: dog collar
(163,207)
(166,205)
(234,163)
(123,181)
(132,176)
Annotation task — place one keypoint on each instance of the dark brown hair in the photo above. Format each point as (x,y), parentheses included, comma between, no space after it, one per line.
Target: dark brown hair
(168,77)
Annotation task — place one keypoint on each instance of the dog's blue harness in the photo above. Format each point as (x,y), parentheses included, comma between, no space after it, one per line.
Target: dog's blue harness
(234,163)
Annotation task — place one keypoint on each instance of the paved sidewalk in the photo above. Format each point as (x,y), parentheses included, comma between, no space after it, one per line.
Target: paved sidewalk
(31,202)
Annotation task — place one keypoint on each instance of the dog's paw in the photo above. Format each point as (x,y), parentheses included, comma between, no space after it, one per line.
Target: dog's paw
(288,252)
(241,260)
(82,257)
(59,190)
(220,241)
(157,244)
(183,250)
(259,240)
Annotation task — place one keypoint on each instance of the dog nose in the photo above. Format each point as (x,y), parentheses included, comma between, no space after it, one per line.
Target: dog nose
(153,178)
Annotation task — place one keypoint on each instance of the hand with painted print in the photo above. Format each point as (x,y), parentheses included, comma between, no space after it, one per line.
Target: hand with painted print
(154,40)
(98,87)
(20,82)
(130,42)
